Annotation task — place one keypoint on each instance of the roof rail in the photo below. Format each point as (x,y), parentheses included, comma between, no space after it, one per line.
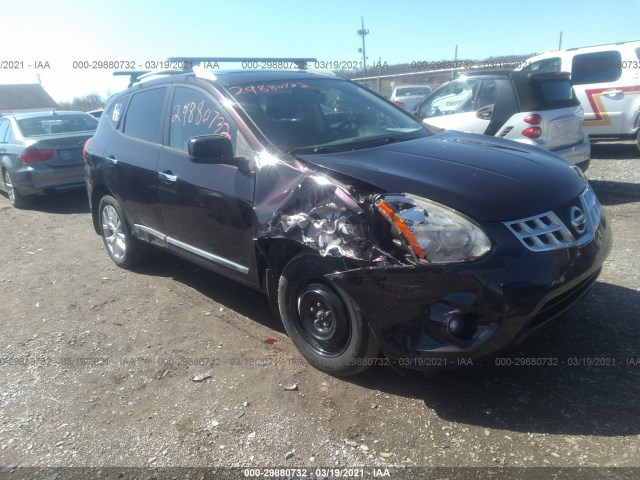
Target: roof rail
(301,62)
(601,45)
(136,76)
(132,74)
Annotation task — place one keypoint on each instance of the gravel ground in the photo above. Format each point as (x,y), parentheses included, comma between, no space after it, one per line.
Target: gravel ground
(173,366)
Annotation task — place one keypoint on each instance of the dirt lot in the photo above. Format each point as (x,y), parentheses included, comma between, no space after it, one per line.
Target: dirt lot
(97,366)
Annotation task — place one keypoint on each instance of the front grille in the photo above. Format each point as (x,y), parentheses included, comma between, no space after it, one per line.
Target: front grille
(546,231)
(541,232)
(593,211)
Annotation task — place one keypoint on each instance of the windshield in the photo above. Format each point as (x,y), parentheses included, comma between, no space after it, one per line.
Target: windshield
(57,124)
(320,115)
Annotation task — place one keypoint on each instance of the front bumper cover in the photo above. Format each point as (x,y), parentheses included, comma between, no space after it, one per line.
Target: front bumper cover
(502,298)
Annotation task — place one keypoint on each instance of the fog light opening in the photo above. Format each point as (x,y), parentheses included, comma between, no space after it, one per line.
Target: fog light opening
(461,326)
(455,326)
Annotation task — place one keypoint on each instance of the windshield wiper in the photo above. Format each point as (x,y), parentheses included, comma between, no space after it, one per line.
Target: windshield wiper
(320,149)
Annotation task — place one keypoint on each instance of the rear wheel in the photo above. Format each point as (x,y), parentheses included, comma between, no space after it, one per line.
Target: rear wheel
(16,198)
(328,330)
(638,139)
(125,250)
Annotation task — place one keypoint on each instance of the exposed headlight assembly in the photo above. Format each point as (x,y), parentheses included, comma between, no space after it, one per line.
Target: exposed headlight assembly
(431,232)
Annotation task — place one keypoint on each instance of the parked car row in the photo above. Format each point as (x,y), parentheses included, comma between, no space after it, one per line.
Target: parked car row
(539,109)
(606,79)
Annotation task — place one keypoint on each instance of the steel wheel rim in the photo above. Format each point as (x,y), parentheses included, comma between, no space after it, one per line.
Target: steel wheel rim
(323,320)
(113,232)
(9,186)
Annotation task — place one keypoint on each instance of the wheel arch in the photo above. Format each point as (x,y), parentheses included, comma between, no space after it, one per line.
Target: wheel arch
(98,191)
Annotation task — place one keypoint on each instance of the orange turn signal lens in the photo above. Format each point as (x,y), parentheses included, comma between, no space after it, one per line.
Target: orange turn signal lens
(403,228)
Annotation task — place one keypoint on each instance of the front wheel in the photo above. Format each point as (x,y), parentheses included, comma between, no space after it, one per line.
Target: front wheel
(125,250)
(328,330)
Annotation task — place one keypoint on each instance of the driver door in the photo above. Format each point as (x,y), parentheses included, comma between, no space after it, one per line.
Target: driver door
(207,208)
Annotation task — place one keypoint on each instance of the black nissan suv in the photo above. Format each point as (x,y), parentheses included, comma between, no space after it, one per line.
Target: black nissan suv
(368,232)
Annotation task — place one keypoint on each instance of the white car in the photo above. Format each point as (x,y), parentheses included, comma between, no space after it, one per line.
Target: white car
(536,109)
(606,79)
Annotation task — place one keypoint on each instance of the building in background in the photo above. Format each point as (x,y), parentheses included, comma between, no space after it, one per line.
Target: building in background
(18,98)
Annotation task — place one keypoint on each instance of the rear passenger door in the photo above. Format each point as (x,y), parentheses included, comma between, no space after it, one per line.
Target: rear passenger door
(207,209)
(596,80)
(131,158)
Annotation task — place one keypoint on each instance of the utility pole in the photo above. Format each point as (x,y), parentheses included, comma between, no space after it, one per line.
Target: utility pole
(560,42)
(362,32)
(455,61)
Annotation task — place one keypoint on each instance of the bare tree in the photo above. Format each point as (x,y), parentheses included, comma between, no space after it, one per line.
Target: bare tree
(84,104)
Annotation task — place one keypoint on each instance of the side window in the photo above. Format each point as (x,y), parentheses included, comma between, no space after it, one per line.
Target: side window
(143,119)
(456,97)
(543,66)
(598,67)
(4,130)
(487,94)
(194,113)
(116,110)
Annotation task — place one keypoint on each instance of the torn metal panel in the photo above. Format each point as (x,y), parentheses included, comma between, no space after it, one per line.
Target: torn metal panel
(315,211)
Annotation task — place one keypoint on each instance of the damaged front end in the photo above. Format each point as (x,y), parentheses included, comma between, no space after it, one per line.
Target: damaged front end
(435,287)
(393,248)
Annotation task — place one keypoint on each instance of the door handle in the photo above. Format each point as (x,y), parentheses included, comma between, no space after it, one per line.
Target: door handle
(612,92)
(168,176)
(112,161)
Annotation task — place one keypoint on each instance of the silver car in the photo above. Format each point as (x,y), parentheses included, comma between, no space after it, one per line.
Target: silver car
(407,96)
(42,152)
(539,109)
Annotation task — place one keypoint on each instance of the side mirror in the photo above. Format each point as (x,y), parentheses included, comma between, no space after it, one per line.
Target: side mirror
(211,149)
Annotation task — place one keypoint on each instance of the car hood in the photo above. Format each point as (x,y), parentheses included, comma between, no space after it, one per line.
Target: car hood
(486,178)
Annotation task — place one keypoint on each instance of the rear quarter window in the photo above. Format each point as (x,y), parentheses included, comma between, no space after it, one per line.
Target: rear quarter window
(115,112)
(597,67)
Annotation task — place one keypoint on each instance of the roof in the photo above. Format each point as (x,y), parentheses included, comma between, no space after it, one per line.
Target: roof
(48,113)
(224,77)
(25,97)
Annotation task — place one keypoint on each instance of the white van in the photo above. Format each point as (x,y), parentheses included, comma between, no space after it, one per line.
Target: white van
(606,79)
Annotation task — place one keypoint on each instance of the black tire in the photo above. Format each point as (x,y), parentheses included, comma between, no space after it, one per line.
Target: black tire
(125,250)
(15,197)
(328,330)
(638,139)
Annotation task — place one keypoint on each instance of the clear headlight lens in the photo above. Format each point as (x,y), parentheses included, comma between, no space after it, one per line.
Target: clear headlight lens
(432,232)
